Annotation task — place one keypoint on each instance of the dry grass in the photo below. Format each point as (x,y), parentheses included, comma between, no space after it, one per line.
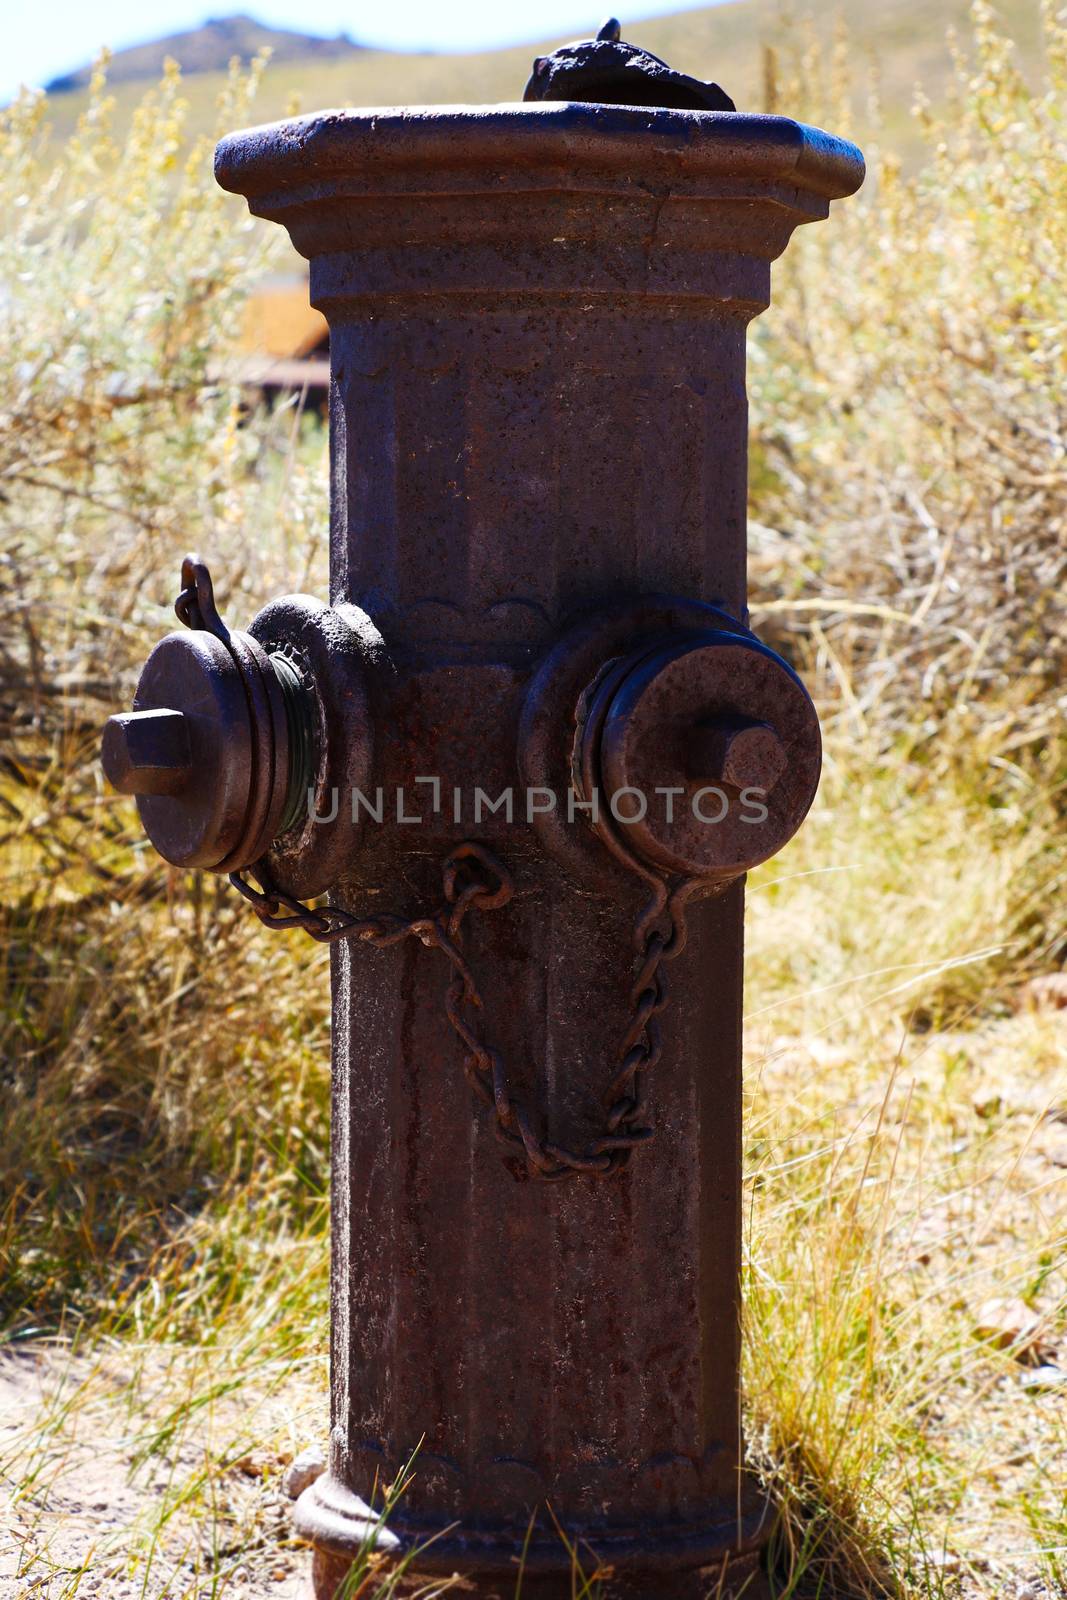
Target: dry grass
(907,1152)
(908,399)
(162,1176)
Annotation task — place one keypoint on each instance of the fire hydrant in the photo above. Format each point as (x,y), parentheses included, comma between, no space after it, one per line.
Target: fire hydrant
(529,749)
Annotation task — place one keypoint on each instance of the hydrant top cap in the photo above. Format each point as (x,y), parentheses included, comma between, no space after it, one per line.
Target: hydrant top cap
(608,71)
(393,149)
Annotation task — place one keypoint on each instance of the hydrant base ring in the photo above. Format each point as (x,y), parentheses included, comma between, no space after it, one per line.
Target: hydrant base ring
(341,1527)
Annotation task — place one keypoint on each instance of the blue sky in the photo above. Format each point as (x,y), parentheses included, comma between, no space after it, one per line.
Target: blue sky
(48,37)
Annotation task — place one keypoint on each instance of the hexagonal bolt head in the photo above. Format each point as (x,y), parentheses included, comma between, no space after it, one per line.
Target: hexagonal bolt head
(745,755)
(147,752)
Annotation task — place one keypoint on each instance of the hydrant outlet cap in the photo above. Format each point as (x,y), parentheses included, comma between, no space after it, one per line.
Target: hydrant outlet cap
(727,727)
(187,750)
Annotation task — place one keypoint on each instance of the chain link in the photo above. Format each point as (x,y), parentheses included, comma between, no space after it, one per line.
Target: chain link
(473,879)
(195,605)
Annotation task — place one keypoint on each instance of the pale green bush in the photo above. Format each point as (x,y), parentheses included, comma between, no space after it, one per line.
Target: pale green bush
(125,441)
(909,449)
(123,275)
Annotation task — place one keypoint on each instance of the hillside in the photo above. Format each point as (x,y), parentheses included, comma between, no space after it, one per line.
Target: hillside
(902,41)
(209,48)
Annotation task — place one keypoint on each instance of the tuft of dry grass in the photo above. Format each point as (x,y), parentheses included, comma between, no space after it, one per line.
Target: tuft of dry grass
(906,1165)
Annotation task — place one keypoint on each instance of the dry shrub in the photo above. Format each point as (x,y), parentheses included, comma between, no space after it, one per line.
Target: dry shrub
(909,445)
(141,1075)
(124,273)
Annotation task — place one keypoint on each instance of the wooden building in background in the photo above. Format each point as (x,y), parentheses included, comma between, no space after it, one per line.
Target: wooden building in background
(287,343)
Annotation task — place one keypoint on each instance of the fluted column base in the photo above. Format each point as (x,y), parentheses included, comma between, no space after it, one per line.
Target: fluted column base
(686,1561)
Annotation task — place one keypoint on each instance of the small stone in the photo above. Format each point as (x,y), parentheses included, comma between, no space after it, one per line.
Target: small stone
(1043,1379)
(1046,993)
(1009,1324)
(302,1471)
(941,1562)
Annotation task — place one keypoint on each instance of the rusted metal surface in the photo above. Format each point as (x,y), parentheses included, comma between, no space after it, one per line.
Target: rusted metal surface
(148,752)
(339,658)
(537,330)
(208,749)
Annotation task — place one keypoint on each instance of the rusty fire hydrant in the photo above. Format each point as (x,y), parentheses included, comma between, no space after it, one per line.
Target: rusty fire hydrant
(529,749)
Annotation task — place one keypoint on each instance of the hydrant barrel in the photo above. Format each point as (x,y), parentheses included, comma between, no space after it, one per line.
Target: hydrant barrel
(538,430)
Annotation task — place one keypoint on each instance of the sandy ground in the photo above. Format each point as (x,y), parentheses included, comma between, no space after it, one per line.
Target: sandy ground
(93,1520)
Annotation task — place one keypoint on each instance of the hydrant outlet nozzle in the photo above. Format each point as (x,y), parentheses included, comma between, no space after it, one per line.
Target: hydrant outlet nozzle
(739,753)
(147,752)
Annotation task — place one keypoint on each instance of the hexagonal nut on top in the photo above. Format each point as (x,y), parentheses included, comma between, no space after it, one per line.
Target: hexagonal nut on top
(704,753)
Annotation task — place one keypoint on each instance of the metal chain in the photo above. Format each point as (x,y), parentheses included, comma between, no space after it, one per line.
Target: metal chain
(659,936)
